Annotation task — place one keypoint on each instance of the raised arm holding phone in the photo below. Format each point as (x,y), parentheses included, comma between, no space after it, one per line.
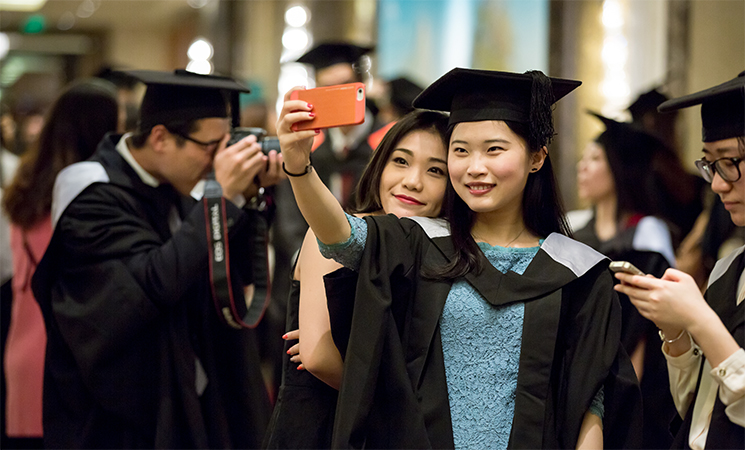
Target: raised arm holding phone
(703,336)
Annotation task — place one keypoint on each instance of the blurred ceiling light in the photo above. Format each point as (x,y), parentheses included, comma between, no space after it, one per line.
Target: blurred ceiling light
(612,14)
(86,9)
(4,45)
(295,39)
(297,16)
(201,66)
(200,49)
(66,21)
(615,52)
(615,88)
(196,4)
(21,5)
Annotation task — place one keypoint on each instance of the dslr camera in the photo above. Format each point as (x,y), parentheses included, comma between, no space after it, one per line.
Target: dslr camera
(267,143)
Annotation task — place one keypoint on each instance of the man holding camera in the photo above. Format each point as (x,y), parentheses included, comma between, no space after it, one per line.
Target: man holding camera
(137,354)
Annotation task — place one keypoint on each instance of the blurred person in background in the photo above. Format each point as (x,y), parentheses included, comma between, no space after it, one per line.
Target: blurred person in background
(681,193)
(393,103)
(613,177)
(138,355)
(407,176)
(128,95)
(703,336)
(8,165)
(76,123)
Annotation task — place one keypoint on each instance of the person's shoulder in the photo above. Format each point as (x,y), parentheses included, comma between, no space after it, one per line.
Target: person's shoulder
(72,181)
(432,227)
(574,255)
(724,264)
(652,234)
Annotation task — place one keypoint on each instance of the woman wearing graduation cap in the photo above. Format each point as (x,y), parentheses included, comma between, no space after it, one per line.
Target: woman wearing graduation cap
(614,176)
(703,336)
(497,331)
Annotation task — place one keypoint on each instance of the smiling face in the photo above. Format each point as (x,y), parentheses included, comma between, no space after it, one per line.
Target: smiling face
(184,165)
(732,193)
(489,165)
(594,178)
(415,176)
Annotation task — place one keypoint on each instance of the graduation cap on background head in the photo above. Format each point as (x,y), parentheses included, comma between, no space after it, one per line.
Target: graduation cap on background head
(722,109)
(403,92)
(182,95)
(627,145)
(472,95)
(646,102)
(330,53)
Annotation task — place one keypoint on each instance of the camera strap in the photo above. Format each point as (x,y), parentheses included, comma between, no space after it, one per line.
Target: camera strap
(236,315)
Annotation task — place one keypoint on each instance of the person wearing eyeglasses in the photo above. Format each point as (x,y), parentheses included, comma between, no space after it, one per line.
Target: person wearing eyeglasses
(703,336)
(137,354)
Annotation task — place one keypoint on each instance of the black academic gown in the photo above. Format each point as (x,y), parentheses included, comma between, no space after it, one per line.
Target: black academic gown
(394,391)
(631,244)
(304,412)
(132,331)
(722,297)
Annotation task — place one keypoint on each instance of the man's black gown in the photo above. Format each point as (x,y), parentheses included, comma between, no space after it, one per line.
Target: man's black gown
(133,333)
(394,391)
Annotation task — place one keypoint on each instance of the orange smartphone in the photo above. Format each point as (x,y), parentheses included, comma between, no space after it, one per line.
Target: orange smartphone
(334,106)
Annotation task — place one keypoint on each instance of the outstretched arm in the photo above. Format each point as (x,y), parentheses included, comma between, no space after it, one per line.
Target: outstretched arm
(318,205)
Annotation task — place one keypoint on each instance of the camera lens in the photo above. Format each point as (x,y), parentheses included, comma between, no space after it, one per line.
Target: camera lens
(270,143)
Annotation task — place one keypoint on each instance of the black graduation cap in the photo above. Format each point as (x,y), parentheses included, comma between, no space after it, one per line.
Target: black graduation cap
(627,145)
(182,95)
(472,95)
(402,93)
(722,109)
(645,103)
(330,53)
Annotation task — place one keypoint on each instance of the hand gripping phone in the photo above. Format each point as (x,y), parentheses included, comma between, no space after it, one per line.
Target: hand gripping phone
(334,106)
(625,267)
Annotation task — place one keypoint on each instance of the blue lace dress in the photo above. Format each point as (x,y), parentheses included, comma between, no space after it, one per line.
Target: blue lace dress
(481,346)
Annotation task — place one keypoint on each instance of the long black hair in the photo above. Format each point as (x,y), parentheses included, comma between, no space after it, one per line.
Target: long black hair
(76,123)
(543,210)
(368,188)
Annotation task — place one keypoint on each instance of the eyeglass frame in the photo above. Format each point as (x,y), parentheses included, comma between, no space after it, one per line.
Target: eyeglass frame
(705,168)
(205,145)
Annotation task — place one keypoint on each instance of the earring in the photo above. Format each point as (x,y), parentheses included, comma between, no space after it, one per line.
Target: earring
(534,169)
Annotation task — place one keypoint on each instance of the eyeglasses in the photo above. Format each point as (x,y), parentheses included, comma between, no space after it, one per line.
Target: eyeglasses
(727,168)
(209,147)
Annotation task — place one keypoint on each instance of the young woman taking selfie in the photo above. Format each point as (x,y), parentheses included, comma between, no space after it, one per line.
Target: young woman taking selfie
(492,328)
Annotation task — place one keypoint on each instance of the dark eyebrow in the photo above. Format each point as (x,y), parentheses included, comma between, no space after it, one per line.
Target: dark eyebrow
(720,150)
(488,141)
(411,153)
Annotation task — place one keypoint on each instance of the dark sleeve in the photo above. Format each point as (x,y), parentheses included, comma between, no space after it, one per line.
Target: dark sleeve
(340,291)
(387,253)
(594,358)
(118,276)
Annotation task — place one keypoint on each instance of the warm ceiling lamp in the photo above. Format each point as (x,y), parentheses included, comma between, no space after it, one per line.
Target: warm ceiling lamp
(21,5)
